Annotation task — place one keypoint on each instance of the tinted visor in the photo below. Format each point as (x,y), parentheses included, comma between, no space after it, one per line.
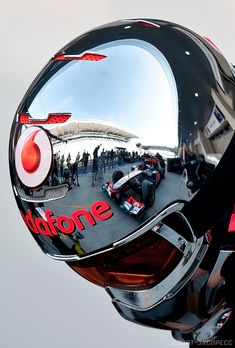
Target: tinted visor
(137,265)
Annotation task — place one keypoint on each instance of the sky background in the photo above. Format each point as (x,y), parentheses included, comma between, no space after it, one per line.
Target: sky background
(42,302)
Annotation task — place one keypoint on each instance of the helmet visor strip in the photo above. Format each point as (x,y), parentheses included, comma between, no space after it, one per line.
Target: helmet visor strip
(143,260)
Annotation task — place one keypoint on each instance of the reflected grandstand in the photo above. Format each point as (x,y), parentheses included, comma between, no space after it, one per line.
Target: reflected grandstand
(80,135)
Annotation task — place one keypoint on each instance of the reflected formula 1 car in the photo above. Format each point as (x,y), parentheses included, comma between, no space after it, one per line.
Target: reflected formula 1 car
(153,174)
(152,171)
(134,192)
(157,164)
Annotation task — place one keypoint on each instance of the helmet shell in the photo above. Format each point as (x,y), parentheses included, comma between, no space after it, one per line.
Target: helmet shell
(140,92)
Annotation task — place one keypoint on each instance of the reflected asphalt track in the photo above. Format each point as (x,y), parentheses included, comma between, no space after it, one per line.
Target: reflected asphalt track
(171,188)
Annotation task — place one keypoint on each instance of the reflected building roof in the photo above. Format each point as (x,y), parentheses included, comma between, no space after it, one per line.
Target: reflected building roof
(91,128)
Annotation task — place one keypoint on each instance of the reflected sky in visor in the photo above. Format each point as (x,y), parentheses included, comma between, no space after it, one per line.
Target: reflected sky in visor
(133,87)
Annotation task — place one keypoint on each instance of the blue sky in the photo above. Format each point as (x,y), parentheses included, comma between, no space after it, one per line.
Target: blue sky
(132,87)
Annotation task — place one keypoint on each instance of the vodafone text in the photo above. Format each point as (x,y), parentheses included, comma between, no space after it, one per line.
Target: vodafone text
(50,225)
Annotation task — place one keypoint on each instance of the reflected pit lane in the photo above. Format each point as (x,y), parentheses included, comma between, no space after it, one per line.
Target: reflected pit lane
(170,189)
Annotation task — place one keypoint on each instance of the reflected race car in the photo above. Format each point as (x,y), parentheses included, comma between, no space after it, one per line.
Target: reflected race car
(157,164)
(152,170)
(134,192)
(153,174)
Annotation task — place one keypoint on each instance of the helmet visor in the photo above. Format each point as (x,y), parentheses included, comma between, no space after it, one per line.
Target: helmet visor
(144,261)
(140,265)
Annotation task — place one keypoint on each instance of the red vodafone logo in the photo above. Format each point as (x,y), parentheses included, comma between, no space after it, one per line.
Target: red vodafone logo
(33,156)
(50,225)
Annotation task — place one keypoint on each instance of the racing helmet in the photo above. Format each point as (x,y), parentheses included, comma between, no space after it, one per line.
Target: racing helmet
(121,157)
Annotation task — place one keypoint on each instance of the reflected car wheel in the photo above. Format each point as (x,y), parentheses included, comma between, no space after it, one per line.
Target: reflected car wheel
(148,193)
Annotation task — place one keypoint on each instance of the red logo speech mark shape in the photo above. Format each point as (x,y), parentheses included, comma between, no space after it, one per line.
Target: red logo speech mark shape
(33,157)
(30,154)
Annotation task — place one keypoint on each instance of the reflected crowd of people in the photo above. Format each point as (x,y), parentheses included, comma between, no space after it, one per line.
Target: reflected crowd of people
(66,170)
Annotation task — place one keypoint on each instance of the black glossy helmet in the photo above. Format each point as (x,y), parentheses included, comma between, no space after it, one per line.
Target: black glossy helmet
(121,157)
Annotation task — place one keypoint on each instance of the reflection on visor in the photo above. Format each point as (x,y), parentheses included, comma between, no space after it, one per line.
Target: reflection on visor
(138,265)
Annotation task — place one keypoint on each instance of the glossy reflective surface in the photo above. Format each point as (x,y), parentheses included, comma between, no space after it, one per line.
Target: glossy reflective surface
(122,164)
(121,122)
(195,313)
